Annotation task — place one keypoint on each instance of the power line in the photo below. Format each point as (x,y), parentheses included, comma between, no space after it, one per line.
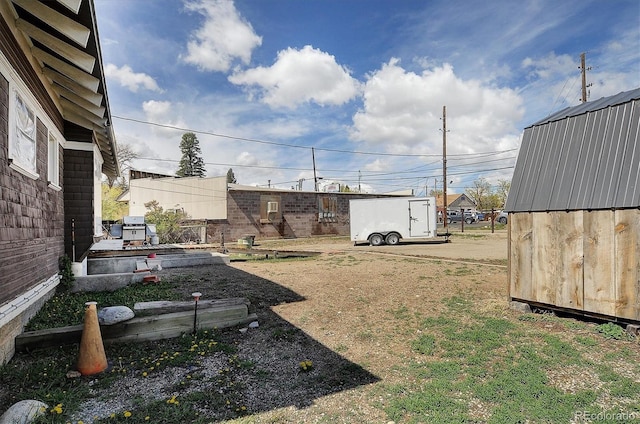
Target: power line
(274,143)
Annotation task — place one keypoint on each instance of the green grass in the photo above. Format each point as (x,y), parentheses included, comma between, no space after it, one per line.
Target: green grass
(66,308)
(502,364)
(44,377)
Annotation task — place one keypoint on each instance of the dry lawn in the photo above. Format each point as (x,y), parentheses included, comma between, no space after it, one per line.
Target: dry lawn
(394,333)
(352,311)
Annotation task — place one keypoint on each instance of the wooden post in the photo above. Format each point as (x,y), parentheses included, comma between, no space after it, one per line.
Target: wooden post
(444,167)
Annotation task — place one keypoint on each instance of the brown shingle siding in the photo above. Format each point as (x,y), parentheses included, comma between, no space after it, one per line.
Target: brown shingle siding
(31,238)
(78,200)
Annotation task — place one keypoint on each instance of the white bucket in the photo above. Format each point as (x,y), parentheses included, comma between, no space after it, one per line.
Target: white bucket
(79,269)
(155,240)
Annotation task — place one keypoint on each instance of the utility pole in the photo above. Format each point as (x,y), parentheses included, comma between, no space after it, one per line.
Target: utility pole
(359,178)
(444,167)
(315,178)
(583,72)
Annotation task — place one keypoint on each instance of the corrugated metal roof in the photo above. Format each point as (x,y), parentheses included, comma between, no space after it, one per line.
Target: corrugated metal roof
(584,157)
(601,103)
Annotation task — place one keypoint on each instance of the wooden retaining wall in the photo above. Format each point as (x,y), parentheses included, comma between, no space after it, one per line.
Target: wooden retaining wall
(587,261)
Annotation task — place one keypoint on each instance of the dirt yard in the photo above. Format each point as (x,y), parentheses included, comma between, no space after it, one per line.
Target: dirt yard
(418,332)
(350,311)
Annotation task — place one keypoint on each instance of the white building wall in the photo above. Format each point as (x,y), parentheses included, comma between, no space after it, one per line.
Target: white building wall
(199,198)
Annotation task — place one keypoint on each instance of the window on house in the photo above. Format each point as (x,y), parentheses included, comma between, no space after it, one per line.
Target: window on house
(327,209)
(22,136)
(53,162)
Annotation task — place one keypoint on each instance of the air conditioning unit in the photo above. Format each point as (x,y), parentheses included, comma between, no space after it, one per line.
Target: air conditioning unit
(272,207)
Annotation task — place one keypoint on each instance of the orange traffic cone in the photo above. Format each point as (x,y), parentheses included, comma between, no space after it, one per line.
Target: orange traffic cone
(92,359)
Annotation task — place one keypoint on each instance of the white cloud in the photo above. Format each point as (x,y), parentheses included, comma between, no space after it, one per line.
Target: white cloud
(402,111)
(299,76)
(156,109)
(129,79)
(247,159)
(223,37)
(550,66)
(164,113)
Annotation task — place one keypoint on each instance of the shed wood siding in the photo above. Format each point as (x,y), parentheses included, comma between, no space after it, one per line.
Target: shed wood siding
(574,209)
(78,201)
(31,216)
(582,260)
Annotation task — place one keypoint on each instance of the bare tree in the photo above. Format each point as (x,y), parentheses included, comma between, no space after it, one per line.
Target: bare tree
(503,191)
(125,156)
(480,192)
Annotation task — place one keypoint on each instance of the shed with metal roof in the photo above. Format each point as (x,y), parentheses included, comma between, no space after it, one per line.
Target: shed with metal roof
(574,210)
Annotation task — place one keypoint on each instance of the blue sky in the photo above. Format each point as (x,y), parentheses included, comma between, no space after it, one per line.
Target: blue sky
(362,82)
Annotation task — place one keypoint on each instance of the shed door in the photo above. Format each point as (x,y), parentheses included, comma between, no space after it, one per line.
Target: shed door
(419,223)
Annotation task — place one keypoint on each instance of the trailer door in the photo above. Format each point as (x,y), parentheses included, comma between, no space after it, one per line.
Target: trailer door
(419,222)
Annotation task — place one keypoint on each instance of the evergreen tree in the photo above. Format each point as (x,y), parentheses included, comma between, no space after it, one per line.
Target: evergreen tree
(191,163)
(231,178)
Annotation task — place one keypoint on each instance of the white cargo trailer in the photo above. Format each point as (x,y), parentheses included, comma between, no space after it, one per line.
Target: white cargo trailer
(389,219)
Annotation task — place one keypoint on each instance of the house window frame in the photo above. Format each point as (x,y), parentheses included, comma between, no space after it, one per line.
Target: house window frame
(16,84)
(53,160)
(19,138)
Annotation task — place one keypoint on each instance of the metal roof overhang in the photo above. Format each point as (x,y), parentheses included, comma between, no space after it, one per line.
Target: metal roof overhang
(582,158)
(63,38)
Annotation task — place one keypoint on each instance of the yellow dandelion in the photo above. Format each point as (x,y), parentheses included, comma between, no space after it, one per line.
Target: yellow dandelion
(147,418)
(144,374)
(127,414)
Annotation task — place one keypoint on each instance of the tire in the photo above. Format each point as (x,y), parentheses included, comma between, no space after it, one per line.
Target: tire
(502,220)
(448,220)
(376,239)
(469,221)
(392,239)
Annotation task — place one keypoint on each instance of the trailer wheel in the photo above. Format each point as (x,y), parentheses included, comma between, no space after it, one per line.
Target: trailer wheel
(392,238)
(376,239)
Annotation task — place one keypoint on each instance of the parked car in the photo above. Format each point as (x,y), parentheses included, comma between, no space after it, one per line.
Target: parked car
(480,216)
(456,216)
(502,217)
